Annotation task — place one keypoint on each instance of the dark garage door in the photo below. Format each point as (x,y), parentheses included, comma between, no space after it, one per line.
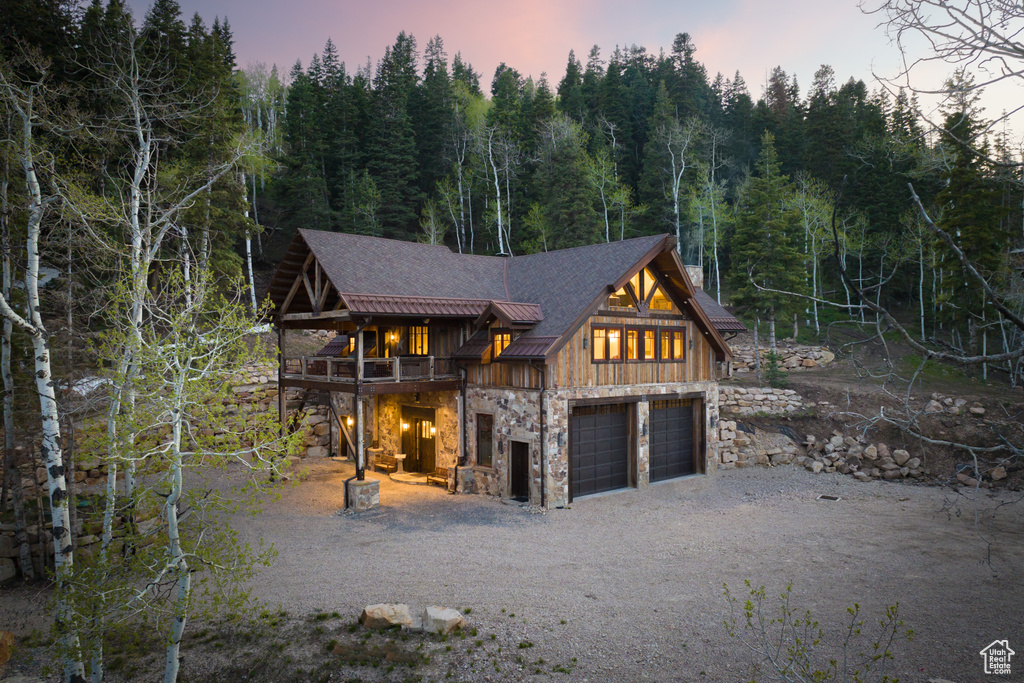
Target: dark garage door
(671,448)
(600,449)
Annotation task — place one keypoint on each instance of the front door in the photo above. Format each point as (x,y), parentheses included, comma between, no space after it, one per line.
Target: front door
(419,433)
(520,471)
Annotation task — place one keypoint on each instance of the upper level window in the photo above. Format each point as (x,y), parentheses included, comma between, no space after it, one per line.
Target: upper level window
(501,342)
(660,302)
(642,287)
(617,344)
(607,343)
(419,340)
(673,344)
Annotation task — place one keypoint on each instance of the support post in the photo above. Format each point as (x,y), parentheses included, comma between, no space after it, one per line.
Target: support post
(281,403)
(358,399)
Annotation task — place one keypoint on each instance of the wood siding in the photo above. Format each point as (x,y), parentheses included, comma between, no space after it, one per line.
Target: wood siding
(573,366)
(517,375)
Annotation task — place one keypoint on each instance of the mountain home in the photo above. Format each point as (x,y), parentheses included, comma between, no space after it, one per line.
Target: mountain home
(542,378)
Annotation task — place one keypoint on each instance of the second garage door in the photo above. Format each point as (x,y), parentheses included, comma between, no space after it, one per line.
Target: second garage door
(671,445)
(600,449)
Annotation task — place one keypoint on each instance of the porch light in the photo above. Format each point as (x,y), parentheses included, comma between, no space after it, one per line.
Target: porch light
(405,426)
(433,430)
(350,421)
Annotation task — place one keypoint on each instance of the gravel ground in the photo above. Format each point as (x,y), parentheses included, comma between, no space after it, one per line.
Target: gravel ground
(628,586)
(637,576)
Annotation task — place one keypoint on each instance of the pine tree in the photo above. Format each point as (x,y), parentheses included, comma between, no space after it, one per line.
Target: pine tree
(764,247)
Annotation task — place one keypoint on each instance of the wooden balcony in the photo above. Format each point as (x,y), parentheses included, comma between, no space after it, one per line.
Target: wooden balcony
(380,375)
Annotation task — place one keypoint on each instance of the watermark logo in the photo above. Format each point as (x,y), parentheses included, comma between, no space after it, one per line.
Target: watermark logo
(997,656)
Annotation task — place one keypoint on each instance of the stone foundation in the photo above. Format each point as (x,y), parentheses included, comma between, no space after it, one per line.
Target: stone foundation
(363,495)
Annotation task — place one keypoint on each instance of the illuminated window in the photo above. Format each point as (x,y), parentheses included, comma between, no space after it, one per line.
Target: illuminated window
(660,302)
(632,344)
(501,342)
(673,344)
(608,344)
(650,351)
(614,343)
(484,440)
(419,340)
(600,345)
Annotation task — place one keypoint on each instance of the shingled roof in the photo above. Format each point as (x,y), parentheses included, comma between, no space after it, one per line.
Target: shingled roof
(553,291)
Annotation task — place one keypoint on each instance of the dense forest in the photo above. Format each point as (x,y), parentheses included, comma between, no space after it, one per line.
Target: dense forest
(627,143)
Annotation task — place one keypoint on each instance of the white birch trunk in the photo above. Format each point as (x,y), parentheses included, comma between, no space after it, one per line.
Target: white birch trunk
(50,448)
(176,557)
(497,190)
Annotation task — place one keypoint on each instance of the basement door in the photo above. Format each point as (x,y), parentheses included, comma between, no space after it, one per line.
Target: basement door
(419,434)
(520,471)
(671,439)
(600,449)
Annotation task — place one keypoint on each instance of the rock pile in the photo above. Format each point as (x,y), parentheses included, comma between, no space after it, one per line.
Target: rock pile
(740,448)
(795,357)
(88,534)
(940,403)
(864,461)
(758,401)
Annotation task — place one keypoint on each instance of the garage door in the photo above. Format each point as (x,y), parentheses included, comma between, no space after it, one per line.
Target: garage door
(600,449)
(671,445)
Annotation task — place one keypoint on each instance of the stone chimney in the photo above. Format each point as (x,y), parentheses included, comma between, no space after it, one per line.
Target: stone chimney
(696,274)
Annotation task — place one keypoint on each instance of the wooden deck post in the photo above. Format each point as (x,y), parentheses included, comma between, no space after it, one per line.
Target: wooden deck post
(358,399)
(281,403)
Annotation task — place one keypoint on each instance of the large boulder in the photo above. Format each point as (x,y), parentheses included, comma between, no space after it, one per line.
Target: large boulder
(442,620)
(901,457)
(386,615)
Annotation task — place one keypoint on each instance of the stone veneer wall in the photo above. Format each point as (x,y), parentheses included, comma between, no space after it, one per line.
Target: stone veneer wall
(446,419)
(759,400)
(557,416)
(793,357)
(516,418)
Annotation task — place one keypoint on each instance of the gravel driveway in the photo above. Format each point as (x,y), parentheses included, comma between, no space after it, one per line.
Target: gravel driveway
(630,584)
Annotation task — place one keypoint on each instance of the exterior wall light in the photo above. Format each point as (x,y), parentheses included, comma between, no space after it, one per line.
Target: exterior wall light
(405,426)
(350,421)
(433,430)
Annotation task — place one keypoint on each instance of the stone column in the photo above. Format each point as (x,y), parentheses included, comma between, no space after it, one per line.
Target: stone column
(643,439)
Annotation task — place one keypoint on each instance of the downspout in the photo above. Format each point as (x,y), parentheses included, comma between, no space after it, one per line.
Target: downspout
(543,436)
(462,419)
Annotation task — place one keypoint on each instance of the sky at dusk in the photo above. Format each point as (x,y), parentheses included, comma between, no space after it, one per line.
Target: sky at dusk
(535,36)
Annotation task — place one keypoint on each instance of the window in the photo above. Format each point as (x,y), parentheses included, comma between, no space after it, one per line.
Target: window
(637,344)
(501,342)
(614,343)
(673,344)
(650,349)
(484,440)
(608,344)
(660,302)
(419,340)
(600,344)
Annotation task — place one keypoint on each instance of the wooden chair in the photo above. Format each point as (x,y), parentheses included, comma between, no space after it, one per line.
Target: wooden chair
(439,477)
(386,463)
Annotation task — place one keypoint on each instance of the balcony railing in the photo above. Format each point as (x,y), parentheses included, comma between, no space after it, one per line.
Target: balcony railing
(343,370)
